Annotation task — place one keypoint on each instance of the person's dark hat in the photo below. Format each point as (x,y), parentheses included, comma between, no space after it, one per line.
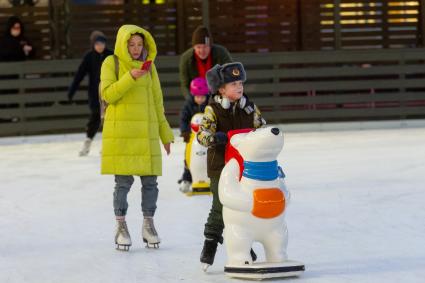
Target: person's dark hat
(97,36)
(11,21)
(223,74)
(201,35)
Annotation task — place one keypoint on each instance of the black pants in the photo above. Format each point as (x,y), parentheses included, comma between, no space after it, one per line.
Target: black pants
(93,123)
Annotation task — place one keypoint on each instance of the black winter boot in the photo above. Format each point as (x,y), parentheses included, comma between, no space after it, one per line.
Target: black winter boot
(208,251)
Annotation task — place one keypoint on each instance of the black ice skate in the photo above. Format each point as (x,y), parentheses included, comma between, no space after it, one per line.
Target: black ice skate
(208,253)
(122,237)
(149,234)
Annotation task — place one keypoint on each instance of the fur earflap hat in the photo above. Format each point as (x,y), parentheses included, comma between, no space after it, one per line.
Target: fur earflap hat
(201,35)
(223,74)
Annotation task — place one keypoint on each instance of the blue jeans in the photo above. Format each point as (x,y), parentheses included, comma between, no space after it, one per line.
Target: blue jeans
(149,194)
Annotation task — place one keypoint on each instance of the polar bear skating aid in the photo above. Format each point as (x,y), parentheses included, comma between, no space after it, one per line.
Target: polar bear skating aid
(254,207)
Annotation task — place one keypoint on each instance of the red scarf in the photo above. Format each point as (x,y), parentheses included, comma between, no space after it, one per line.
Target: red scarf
(203,65)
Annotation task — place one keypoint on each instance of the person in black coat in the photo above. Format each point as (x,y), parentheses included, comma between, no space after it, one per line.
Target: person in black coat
(91,65)
(195,103)
(14,46)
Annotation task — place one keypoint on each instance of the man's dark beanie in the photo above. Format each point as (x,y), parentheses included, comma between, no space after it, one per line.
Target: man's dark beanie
(97,36)
(201,35)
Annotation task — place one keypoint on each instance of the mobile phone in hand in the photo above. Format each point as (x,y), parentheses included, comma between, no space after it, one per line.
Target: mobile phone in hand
(146,65)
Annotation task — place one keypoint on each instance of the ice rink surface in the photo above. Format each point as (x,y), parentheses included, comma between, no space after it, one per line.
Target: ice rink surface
(357,212)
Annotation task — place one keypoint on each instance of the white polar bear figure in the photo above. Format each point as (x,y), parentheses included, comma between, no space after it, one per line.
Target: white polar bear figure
(254,205)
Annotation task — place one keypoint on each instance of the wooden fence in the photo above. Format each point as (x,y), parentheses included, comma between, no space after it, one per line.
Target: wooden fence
(287,86)
(159,20)
(255,25)
(348,24)
(62,29)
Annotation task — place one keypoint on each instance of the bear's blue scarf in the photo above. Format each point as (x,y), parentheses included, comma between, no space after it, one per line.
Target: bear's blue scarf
(263,171)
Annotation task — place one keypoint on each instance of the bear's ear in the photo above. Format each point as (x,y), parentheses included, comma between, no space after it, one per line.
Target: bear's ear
(236,139)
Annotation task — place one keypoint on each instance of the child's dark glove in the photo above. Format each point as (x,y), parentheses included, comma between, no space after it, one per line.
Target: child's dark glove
(185,136)
(220,138)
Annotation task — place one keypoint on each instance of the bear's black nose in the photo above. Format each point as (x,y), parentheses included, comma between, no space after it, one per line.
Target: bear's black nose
(275,131)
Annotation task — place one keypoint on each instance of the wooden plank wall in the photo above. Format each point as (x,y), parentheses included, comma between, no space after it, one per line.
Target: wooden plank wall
(255,25)
(62,30)
(338,85)
(368,24)
(33,98)
(37,27)
(190,17)
(160,20)
(288,87)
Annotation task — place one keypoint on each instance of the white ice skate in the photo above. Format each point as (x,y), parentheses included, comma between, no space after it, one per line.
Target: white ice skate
(86,147)
(185,187)
(149,234)
(205,266)
(122,237)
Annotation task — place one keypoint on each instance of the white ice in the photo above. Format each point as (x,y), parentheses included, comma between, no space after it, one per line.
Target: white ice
(357,212)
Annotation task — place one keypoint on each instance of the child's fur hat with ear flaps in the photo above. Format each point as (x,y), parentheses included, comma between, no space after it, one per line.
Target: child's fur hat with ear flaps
(223,74)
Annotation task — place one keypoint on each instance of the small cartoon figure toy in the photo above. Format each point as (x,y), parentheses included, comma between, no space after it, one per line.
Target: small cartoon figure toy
(196,158)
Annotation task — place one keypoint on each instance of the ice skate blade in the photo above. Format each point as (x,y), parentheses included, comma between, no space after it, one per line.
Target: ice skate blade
(264,270)
(122,248)
(151,245)
(205,267)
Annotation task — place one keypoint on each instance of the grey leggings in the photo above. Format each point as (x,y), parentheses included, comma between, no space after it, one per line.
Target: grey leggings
(149,194)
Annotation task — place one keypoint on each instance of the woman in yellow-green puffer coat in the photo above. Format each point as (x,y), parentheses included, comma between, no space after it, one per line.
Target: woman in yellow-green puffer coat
(133,126)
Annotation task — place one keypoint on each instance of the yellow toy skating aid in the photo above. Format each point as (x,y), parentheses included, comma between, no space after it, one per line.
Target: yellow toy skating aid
(196,160)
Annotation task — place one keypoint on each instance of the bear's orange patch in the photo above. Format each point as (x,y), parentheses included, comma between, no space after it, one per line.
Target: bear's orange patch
(268,203)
